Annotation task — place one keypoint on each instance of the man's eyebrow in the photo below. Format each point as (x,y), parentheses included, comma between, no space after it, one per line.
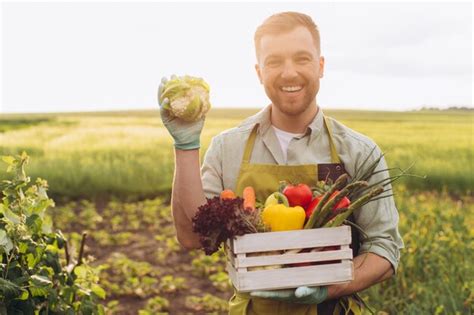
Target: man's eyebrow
(303,52)
(298,53)
(271,56)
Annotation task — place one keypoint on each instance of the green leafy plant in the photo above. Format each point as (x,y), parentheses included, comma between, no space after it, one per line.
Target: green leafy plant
(156,305)
(122,276)
(207,303)
(37,273)
(207,265)
(171,284)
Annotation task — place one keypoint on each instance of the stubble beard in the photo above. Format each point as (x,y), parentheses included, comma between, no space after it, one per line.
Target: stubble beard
(293,109)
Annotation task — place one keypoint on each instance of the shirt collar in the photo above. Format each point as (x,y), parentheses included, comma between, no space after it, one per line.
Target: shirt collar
(318,123)
(263,118)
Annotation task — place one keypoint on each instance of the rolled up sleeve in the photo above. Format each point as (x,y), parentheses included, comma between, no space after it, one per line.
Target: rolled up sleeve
(211,170)
(379,220)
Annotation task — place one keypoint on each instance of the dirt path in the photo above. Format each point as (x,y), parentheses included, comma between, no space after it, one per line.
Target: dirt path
(136,245)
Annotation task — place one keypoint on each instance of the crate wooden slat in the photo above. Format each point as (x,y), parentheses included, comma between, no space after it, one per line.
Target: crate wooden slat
(334,266)
(291,277)
(270,241)
(256,261)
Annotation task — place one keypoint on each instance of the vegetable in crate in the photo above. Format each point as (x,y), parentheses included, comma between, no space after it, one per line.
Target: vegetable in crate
(344,203)
(249,198)
(282,218)
(298,195)
(185,97)
(221,219)
(341,199)
(276,198)
(227,194)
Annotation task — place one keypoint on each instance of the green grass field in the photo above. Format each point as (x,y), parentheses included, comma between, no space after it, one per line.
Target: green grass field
(129,154)
(111,175)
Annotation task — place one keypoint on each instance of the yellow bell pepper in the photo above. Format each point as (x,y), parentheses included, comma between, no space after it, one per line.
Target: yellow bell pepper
(282,218)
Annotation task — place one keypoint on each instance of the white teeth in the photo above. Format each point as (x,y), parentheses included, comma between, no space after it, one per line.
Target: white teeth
(291,88)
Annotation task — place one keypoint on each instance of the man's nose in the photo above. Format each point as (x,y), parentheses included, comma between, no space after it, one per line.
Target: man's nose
(289,70)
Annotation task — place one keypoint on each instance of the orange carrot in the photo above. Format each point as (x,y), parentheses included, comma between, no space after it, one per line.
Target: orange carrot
(249,198)
(227,194)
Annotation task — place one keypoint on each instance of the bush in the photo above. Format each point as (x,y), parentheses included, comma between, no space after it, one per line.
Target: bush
(37,273)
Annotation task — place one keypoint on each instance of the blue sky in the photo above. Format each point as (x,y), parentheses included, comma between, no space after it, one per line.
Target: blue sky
(88,56)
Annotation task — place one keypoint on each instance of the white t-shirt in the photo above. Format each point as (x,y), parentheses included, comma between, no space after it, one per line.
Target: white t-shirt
(284,138)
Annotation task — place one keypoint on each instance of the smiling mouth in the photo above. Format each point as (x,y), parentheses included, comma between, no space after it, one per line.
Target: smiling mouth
(291,88)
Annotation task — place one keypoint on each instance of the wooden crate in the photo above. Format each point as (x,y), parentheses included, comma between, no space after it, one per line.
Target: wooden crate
(241,259)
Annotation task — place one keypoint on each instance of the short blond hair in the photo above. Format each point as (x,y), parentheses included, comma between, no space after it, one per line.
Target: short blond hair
(285,22)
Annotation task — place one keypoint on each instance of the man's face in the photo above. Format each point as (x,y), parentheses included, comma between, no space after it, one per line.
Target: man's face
(289,67)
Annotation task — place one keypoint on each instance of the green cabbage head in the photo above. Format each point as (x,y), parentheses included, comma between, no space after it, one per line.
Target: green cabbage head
(188,97)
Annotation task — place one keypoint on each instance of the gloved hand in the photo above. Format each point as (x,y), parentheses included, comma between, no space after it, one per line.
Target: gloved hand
(186,134)
(301,295)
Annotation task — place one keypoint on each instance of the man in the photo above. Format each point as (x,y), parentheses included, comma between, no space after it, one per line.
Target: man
(290,133)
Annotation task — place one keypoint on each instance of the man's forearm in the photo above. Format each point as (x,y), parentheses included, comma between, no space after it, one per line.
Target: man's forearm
(187,195)
(369,269)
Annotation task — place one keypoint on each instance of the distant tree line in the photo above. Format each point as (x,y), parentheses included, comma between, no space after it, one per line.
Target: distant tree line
(460,108)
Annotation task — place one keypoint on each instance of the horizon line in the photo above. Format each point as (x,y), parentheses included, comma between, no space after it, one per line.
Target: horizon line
(459,107)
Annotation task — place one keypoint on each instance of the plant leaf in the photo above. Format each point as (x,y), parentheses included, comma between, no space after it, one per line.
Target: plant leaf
(8,288)
(97,290)
(24,295)
(34,223)
(41,280)
(8,159)
(5,242)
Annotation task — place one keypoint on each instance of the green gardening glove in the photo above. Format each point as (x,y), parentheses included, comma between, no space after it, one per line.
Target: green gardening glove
(186,134)
(301,295)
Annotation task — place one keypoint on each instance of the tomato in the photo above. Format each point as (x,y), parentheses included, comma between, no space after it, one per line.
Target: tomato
(298,195)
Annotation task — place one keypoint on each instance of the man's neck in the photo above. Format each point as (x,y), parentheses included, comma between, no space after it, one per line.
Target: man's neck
(293,124)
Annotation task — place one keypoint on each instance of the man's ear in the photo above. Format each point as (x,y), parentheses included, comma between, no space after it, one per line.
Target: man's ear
(321,67)
(259,73)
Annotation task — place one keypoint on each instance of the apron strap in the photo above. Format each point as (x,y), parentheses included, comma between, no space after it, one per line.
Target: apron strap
(249,145)
(334,156)
(253,135)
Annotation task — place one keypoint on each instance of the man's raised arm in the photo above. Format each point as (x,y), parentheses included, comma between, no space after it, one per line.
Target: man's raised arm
(187,191)
(187,195)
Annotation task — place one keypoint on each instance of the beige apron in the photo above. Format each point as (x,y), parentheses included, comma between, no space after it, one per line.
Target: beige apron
(265,178)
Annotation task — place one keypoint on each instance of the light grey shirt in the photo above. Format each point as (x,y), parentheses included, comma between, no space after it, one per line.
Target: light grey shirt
(378,219)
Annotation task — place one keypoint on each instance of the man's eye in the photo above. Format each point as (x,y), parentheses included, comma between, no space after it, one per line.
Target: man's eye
(303,60)
(273,63)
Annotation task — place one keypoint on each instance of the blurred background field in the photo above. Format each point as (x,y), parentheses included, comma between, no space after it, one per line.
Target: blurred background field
(130,153)
(111,173)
